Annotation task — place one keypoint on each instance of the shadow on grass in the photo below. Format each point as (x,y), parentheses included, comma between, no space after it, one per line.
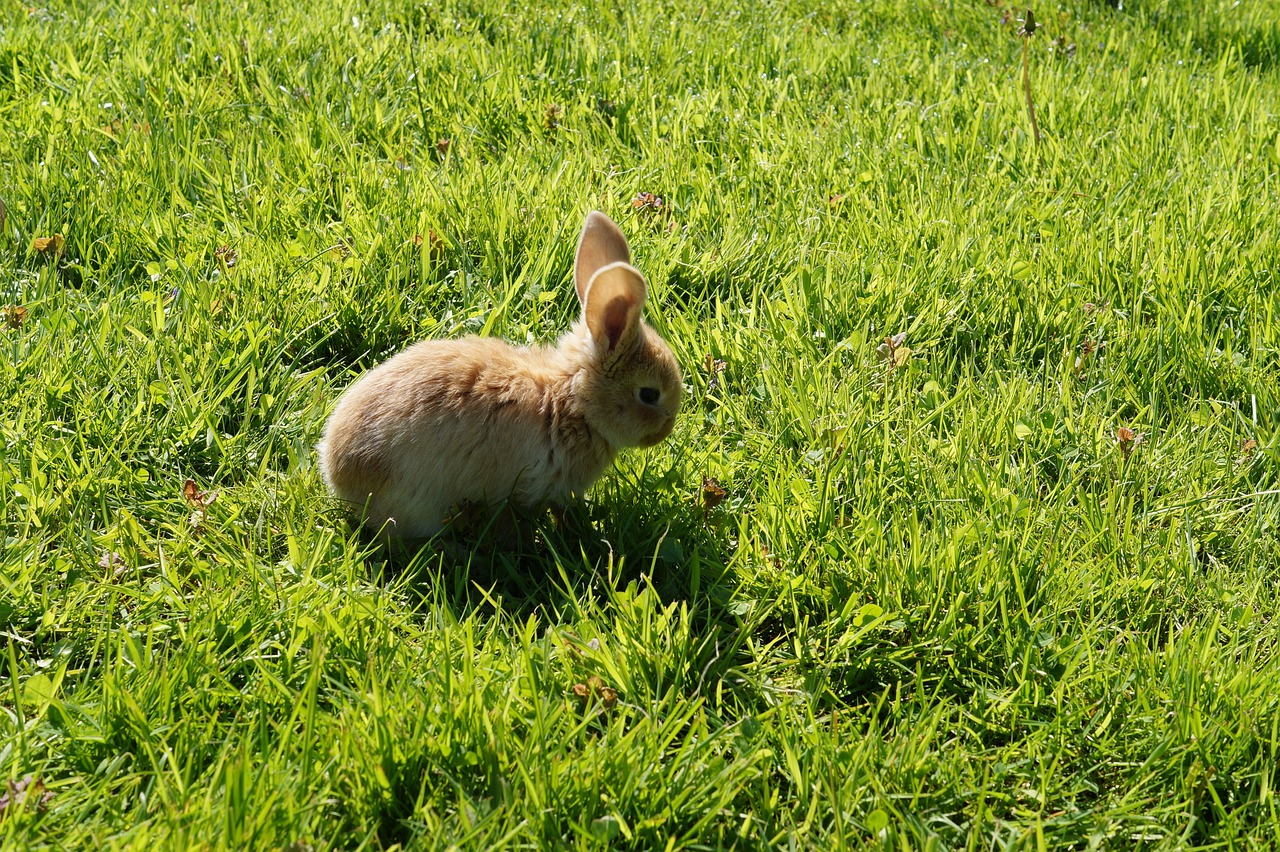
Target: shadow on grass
(522,564)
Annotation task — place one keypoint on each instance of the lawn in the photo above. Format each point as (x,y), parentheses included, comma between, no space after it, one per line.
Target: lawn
(968,535)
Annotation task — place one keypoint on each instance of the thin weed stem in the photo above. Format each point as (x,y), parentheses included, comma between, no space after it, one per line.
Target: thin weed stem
(1028,30)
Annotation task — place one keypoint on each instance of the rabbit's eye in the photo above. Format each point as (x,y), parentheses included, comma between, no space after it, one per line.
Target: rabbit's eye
(649,396)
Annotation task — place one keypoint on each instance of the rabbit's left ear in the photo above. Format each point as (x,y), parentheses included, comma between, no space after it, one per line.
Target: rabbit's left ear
(613,302)
(601,244)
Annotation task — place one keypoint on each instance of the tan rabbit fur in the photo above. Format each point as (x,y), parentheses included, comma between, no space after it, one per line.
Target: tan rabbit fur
(480,421)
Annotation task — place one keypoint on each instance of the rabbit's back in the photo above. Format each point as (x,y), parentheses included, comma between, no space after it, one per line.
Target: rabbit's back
(458,420)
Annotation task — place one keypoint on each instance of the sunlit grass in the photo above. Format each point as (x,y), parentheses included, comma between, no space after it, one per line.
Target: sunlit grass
(946,600)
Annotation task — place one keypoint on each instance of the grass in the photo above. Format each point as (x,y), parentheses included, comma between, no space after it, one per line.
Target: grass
(946,602)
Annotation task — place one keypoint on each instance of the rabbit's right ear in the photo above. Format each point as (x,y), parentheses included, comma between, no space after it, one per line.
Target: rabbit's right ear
(601,244)
(614,300)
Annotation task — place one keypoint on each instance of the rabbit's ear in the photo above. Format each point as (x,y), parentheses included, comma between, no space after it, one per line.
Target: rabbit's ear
(614,299)
(601,244)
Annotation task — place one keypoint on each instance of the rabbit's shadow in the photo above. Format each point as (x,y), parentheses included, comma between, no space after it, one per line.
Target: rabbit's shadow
(549,562)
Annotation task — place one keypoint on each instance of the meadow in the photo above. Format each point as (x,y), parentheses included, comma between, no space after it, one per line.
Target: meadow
(968,536)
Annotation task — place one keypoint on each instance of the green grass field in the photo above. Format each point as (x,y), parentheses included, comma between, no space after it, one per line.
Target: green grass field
(1012,586)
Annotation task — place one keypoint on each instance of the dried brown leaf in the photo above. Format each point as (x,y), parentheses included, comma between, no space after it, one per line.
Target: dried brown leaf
(893,351)
(49,245)
(28,790)
(199,500)
(649,201)
(1128,439)
(713,493)
(13,316)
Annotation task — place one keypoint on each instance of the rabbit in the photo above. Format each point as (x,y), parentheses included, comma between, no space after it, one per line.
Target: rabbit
(478,421)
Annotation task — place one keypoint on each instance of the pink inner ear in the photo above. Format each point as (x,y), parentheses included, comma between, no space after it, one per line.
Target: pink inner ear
(617,316)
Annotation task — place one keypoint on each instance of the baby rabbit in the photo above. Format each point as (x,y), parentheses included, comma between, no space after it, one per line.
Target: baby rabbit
(479,421)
